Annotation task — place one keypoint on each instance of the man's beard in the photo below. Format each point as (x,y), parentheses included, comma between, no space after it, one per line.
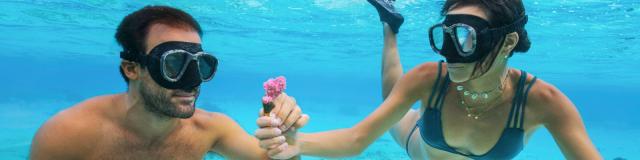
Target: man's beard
(155,101)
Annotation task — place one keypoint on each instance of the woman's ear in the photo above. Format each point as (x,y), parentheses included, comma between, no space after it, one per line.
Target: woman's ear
(130,69)
(510,42)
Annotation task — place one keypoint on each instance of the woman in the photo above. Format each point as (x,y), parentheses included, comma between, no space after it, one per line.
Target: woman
(473,106)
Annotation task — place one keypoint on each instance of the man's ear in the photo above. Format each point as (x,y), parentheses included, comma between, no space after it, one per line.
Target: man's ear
(130,69)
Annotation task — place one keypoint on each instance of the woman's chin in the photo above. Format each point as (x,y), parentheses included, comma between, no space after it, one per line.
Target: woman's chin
(458,78)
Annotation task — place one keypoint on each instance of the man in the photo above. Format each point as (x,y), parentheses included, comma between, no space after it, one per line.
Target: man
(163,65)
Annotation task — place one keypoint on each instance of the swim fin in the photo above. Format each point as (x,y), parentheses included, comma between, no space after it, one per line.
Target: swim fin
(388,13)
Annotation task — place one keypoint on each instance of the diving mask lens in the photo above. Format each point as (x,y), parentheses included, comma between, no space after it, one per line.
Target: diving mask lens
(437,38)
(207,65)
(465,36)
(175,62)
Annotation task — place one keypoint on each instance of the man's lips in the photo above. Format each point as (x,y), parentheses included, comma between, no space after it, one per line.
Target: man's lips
(184,94)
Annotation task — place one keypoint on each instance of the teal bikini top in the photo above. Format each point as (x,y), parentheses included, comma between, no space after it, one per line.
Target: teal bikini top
(511,141)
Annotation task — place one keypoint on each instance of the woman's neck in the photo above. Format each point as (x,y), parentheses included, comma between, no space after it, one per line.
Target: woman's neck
(485,89)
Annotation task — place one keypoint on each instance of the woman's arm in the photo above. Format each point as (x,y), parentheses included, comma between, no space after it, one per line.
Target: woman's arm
(352,141)
(565,124)
(391,66)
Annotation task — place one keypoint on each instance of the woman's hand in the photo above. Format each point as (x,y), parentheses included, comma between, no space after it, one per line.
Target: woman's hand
(277,131)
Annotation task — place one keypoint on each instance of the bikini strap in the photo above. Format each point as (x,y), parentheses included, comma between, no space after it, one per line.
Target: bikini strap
(442,93)
(516,116)
(435,86)
(406,145)
(524,99)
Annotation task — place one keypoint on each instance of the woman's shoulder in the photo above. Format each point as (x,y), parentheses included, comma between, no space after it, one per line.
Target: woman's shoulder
(545,99)
(422,77)
(541,92)
(539,87)
(427,72)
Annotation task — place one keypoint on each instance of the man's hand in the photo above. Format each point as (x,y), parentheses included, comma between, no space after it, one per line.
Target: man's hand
(277,131)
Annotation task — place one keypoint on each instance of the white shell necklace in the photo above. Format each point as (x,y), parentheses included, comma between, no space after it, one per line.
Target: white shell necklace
(480,98)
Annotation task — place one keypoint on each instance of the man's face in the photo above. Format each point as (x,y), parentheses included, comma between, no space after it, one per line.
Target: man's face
(178,103)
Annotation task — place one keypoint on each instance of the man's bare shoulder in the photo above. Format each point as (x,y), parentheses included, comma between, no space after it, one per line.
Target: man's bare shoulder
(82,116)
(89,112)
(211,120)
(72,131)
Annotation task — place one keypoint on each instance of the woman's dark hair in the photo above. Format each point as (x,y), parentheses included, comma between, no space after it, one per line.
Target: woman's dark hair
(501,13)
(132,31)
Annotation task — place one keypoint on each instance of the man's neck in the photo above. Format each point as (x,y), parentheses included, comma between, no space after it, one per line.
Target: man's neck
(144,124)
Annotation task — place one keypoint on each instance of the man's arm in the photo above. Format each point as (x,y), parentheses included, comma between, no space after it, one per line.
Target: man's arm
(61,137)
(234,142)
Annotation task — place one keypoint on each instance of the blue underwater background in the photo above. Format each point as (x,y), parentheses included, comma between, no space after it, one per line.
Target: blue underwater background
(54,54)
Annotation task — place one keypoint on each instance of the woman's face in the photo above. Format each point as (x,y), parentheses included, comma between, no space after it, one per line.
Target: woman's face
(461,72)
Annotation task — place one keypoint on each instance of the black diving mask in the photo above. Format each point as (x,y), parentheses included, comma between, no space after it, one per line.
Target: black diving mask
(464,38)
(177,65)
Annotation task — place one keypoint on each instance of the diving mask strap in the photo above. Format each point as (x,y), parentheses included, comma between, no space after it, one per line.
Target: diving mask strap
(127,55)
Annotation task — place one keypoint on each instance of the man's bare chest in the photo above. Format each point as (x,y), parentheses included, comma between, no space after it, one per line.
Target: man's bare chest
(181,146)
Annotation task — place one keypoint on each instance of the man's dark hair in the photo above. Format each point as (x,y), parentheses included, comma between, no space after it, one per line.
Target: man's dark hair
(501,13)
(132,31)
